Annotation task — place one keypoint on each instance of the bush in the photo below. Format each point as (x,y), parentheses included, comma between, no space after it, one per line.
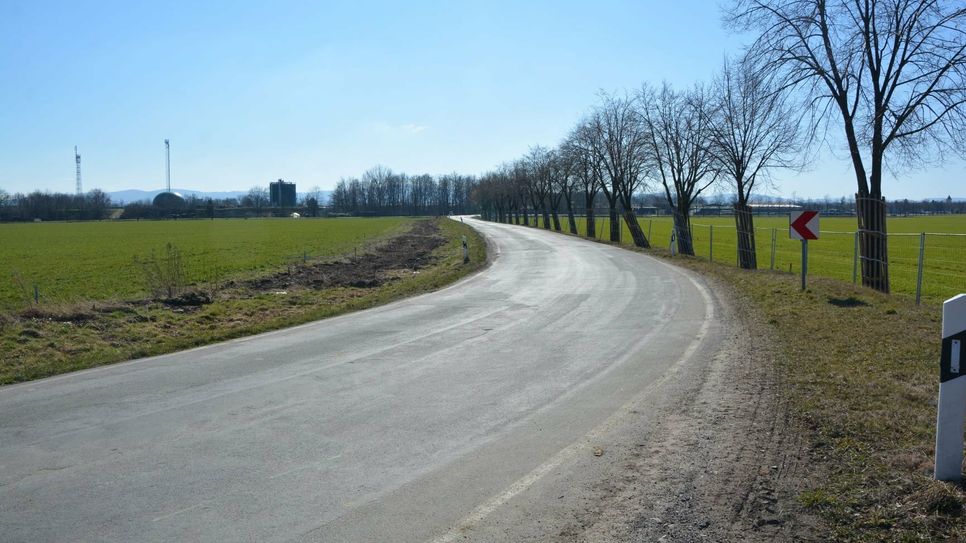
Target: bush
(164,276)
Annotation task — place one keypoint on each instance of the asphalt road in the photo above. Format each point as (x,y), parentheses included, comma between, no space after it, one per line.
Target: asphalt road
(407,422)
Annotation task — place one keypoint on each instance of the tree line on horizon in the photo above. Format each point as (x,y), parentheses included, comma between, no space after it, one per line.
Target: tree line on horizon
(54,206)
(380,191)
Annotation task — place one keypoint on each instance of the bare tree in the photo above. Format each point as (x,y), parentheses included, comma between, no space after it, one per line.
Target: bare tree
(566,182)
(538,182)
(752,130)
(622,149)
(516,173)
(893,72)
(443,193)
(586,167)
(257,197)
(556,177)
(315,192)
(678,143)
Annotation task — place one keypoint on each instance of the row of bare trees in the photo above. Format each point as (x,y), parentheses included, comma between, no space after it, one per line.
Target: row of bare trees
(885,79)
(380,191)
(679,142)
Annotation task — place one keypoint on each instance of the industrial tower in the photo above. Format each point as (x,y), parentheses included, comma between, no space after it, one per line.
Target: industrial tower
(78,187)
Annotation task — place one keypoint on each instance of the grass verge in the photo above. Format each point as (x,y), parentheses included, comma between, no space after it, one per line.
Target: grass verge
(51,339)
(859,369)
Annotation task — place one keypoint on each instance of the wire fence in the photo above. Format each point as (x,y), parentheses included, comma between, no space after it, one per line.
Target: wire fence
(927,264)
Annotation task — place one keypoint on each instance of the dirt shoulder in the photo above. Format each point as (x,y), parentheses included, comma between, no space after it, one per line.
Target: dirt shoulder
(47,340)
(726,463)
(711,453)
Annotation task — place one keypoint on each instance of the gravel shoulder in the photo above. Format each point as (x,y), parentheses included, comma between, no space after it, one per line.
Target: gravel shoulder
(710,456)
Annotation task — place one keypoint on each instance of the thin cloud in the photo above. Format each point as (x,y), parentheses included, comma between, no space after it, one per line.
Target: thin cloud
(387,128)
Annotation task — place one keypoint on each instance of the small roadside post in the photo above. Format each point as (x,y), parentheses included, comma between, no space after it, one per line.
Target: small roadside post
(951,409)
(803,225)
(466,251)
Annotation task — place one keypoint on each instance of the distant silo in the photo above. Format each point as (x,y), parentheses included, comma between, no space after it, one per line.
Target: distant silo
(281,194)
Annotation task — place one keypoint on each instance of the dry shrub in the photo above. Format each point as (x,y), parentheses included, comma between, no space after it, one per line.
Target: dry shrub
(164,275)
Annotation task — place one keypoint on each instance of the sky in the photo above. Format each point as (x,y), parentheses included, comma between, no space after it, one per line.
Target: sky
(317,90)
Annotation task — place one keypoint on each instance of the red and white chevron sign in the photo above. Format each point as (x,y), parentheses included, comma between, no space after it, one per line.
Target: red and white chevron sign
(803,224)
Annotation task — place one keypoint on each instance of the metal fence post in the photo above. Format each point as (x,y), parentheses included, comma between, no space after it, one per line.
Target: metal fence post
(710,243)
(773,235)
(855,259)
(922,251)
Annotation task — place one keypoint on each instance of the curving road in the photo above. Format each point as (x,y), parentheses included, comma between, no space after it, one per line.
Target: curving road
(408,422)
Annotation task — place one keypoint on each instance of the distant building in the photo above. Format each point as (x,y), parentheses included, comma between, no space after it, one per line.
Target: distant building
(773,209)
(281,194)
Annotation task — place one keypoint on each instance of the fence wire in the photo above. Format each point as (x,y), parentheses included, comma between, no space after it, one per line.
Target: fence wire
(837,255)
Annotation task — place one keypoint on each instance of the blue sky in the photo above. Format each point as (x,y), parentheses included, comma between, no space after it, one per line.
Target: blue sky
(313,91)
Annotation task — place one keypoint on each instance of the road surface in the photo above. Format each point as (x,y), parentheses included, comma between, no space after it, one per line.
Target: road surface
(415,421)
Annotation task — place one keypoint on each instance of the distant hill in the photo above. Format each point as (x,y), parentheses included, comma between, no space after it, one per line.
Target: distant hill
(122,197)
(135,195)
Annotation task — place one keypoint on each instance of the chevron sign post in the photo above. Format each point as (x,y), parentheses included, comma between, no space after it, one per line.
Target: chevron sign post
(803,225)
(951,409)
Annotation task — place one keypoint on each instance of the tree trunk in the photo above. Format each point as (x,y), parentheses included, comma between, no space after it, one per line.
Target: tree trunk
(873,242)
(571,221)
(615,223)
(556,220)
(682,231)
(591,225)
(640,240)
(744,222)
(546,218)
(526,217)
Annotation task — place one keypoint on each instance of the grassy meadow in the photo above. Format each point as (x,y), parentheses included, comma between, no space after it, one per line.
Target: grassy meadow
(60,336)
(862,395)
(944,270)
(70,262)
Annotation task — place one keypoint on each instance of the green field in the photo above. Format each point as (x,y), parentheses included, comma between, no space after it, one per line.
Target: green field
(944,268)
(71,262)
(252,295)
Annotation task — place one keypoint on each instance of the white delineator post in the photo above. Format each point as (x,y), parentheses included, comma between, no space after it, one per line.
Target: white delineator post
(951,413)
